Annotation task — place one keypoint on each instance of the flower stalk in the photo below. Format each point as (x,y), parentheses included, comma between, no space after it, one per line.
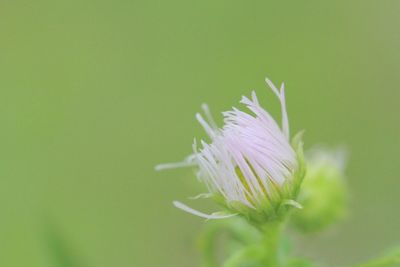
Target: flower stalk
(272,243)
(265,252)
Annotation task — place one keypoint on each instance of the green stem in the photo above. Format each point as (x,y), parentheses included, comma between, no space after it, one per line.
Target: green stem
(266,252)
(244,257)
(237,229)
(271,243)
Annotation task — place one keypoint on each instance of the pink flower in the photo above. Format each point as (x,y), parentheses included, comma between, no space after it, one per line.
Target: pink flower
(248,161)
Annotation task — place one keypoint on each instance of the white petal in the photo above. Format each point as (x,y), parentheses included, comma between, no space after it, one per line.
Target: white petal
(174,165)
(285,120)
(183,207)
(209,116)
(203,195)
(281,96)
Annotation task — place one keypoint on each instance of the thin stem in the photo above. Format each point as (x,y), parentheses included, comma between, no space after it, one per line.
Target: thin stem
(265,252)
(271,243)
(237,229)
(244,257)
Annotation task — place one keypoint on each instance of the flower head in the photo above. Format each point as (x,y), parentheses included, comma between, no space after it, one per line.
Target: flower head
(250,165)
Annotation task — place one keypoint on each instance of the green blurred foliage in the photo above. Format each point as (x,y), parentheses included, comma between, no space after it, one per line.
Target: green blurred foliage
(391,259)
(93,94)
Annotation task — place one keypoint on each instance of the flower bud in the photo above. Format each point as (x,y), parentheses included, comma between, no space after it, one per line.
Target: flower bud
(324,193)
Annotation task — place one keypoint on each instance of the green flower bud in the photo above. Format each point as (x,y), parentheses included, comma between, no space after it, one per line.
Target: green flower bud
(324,193)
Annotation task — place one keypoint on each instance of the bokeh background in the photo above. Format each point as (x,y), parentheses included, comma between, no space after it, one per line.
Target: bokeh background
(93,94)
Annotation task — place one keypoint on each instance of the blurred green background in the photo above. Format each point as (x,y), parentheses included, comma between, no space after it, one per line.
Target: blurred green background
(93,94)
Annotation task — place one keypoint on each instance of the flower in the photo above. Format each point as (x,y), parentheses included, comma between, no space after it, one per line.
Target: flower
(249,166)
